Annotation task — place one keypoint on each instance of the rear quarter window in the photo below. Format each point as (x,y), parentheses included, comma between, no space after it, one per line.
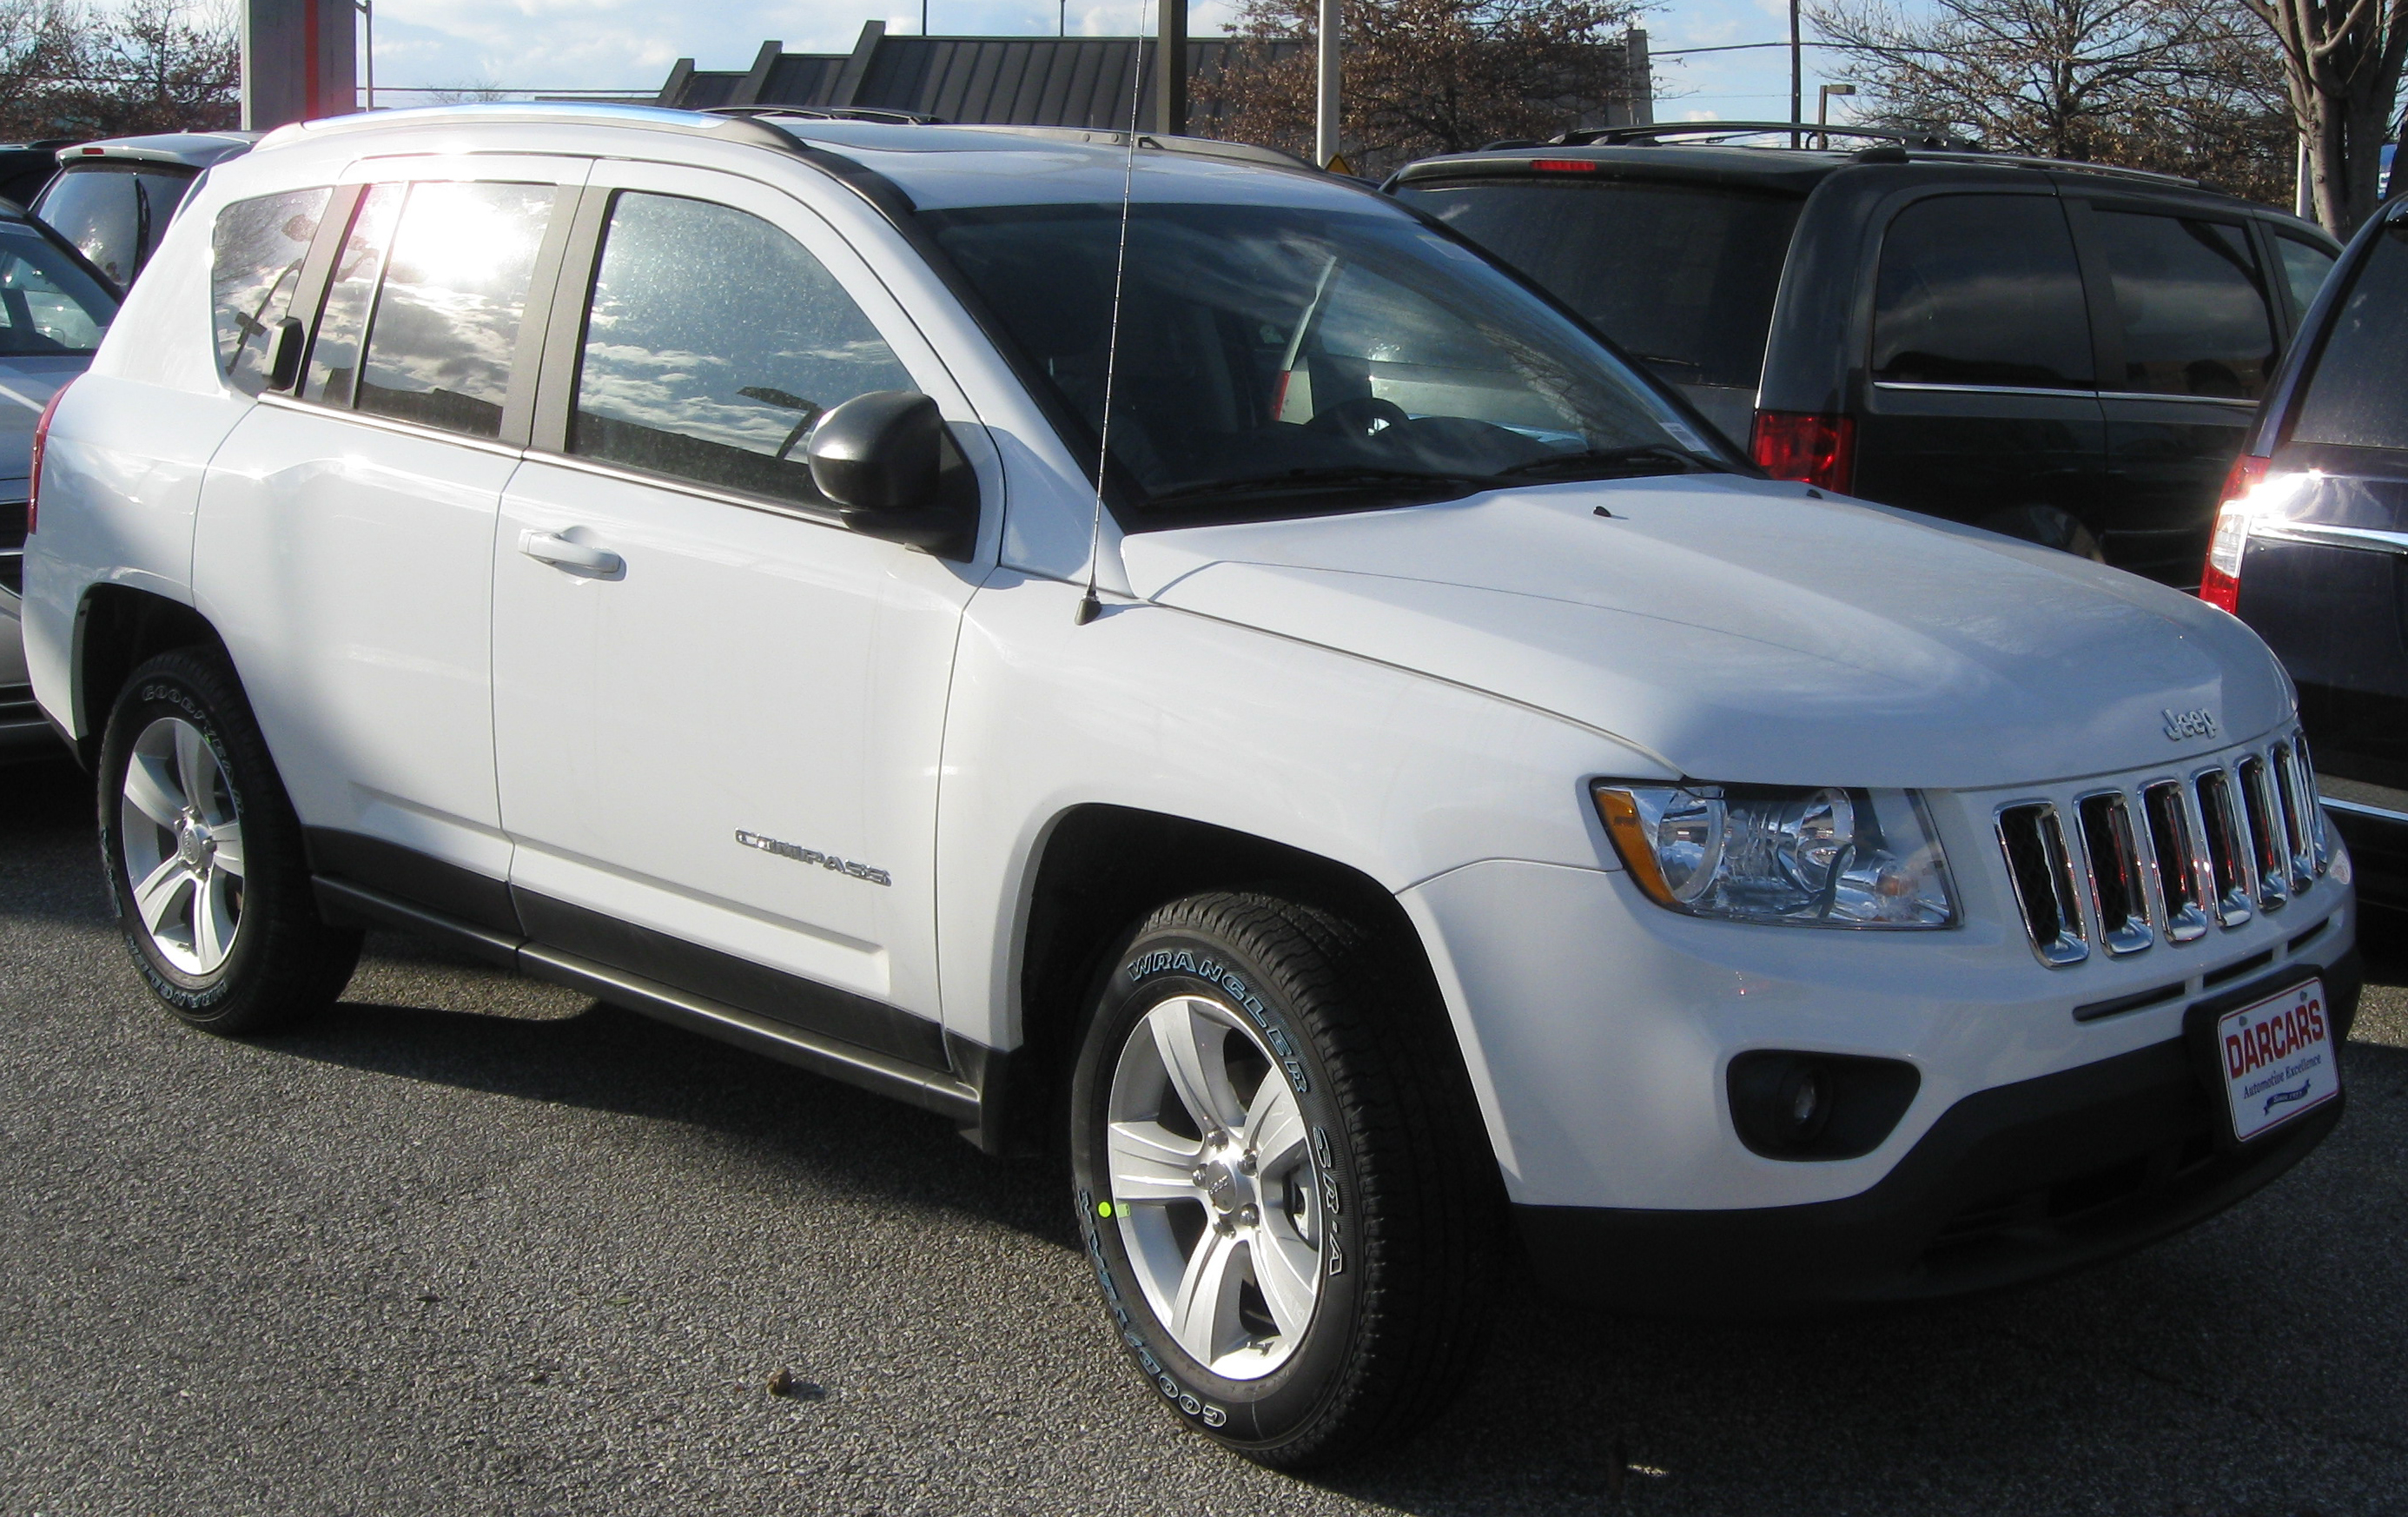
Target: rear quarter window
(1682,276)
(256,251)
(2358,397)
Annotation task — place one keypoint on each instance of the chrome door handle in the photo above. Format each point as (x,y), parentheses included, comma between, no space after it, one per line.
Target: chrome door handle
(546,548)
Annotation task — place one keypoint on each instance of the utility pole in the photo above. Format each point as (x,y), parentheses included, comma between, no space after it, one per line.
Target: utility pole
(1170,69)
(1325,130)
(1797,75)
(300,60)
(367,48)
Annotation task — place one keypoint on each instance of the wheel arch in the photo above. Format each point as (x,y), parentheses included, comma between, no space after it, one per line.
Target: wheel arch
(116,628)
(1099,871)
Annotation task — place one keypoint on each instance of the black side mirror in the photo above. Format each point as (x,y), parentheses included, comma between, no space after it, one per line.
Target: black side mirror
(284,358)
(880,453)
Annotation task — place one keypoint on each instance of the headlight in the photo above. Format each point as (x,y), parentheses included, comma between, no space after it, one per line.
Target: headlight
(1810,857)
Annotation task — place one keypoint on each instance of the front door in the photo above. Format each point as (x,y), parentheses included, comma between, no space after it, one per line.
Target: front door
(718,709)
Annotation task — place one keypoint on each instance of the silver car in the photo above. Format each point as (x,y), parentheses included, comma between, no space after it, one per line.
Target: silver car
(53,308)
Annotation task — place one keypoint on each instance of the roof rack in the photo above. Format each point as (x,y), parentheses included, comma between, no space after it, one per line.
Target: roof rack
(1654,135)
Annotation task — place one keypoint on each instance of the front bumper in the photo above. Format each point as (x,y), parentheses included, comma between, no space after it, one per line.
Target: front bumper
(2008,1184)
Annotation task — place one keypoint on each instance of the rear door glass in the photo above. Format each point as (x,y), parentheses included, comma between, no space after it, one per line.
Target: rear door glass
(1682,276)
(447,320)
(1981,290)
(334,354)
(2191,303)
(2304,267)
(715,340)
(256,254)
(2359,395)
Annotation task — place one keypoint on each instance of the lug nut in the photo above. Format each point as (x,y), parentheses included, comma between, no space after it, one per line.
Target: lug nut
(1248,1216)
(1247,1162)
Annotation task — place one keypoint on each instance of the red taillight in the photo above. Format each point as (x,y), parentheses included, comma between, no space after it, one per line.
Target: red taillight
(2219,579)
(1564,166)
(34,465)
(1817,450)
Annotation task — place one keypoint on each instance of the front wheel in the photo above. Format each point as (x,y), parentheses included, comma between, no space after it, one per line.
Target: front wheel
(1281,1179)
(204,854)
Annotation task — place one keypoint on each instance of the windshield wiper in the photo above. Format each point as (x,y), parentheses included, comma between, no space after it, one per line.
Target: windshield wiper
(1608,463)
(1334,477)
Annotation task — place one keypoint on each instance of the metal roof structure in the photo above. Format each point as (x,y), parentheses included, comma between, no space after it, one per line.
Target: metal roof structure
(1082,82)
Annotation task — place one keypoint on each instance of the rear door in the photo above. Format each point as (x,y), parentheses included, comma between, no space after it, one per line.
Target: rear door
(2187,339)
(1981,406)
(346,537)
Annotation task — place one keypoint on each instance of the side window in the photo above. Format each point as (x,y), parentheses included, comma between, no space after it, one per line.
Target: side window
(2358,397)
(2304,267)
(713,343)
(257,253)
(1981,290)
(2192,302)
(343,319)
(447,320)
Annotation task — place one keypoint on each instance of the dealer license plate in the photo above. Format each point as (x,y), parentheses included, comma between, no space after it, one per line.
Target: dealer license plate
(2278,1059)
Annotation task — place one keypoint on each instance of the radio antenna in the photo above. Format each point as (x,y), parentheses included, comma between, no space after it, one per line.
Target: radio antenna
(1089,608)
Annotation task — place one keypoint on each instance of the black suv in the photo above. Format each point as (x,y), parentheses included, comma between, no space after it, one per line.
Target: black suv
(2067,353)
(2312,544)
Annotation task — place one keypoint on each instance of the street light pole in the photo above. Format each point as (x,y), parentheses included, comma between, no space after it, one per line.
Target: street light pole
(368,50)
(1823,109)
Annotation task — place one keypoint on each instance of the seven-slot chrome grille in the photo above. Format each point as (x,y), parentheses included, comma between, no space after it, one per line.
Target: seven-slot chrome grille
(2166,859)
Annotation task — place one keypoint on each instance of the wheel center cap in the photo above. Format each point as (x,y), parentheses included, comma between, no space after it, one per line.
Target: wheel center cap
(1221,1185)
(192,844)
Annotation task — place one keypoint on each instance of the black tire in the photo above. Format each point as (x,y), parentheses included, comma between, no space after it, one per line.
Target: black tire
(281,962)
(1410,1207)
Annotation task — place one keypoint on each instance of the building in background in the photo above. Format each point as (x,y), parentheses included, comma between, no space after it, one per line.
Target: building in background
(1024,80)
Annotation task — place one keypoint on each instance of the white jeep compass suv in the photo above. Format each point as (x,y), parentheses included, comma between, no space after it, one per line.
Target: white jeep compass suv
(1126,643)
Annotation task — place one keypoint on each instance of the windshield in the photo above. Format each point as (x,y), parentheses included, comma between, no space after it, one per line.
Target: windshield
(1282,359)
(114,216)
(49,307)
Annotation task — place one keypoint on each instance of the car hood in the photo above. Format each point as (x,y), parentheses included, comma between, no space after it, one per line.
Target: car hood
(26,386)
(1743,630)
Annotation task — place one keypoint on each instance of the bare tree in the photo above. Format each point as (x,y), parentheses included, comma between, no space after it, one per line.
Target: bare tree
(2342,60)
(68,69)
(1424,76)
(38,46)
(2185,86)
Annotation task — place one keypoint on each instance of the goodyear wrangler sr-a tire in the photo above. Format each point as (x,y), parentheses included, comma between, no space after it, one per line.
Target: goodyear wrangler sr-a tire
(1281,1180)
(204,856)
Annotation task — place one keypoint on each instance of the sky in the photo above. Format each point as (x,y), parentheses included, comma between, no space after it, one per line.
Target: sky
(631,44)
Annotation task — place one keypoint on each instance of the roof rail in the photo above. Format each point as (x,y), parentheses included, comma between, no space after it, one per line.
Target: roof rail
(2072,166)
(1654,135)
(830,113)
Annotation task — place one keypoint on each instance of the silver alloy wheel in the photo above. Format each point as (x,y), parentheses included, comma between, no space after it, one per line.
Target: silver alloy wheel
(1213,1188)
(181,846)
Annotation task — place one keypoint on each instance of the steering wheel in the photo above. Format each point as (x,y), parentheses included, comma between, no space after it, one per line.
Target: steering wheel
(1365,416)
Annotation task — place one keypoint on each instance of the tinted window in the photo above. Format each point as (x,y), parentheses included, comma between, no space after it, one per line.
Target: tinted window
(257,252)
(447,320)
(49,306)
(334,354)
(2304,267)
(2192,306)
(1682,276)
(114,216)
(1981,290)
(714,342)
(2359,394)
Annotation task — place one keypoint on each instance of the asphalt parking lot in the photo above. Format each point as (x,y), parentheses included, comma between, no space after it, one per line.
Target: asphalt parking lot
(478,1245)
